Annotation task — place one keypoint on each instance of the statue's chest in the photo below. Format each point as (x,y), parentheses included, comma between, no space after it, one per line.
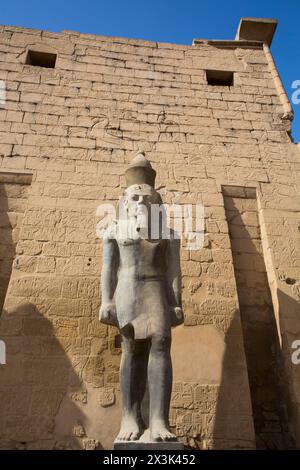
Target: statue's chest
(141,250)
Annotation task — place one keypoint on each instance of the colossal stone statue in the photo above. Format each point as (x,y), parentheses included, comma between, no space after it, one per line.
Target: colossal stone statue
(141,295)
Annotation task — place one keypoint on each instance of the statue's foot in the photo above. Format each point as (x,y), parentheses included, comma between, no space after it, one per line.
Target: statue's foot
(130,430)
(160,432)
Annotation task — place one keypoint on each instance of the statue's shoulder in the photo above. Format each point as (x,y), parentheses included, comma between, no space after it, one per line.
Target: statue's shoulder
(110,232)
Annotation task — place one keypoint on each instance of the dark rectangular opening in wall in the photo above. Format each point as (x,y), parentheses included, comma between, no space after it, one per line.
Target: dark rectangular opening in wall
(41,59)
(219,78)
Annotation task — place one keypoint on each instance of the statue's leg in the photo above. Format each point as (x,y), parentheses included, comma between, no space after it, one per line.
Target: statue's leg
(160,387)
(133,376)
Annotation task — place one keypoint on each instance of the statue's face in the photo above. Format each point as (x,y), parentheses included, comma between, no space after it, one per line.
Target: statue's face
(138,198)
(136,211)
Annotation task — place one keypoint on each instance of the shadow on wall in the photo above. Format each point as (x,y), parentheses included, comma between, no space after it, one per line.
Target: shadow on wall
(8,222)
(211,406)
(267,377)
(289,325)
(45,403)
(273,403)
(233,420)
(37,377)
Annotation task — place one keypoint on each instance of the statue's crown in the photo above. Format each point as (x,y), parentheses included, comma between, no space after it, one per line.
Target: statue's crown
(140,171)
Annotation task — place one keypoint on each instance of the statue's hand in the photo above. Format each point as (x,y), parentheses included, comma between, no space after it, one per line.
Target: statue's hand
(108,314)
(177,316)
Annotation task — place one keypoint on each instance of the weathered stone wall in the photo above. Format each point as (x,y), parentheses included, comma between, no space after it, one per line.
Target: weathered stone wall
(263,355)
(74,128)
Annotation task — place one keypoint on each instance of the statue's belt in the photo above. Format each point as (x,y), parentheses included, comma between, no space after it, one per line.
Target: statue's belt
(149,278)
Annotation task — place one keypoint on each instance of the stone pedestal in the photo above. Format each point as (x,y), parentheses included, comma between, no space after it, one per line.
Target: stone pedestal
(140,445)
(145,443)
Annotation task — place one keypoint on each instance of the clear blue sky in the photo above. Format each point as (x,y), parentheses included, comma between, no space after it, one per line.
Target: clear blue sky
(177,21)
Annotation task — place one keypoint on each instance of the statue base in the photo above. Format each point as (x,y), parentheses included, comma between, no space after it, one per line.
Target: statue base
(144,443)
(138,445)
